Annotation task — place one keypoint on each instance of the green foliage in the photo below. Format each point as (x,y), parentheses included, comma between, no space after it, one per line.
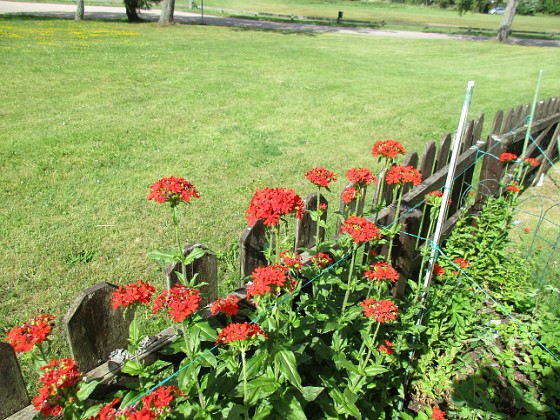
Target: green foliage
(529,7)
(551,7)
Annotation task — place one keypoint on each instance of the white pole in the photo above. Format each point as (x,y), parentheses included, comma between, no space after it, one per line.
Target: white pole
(448,184)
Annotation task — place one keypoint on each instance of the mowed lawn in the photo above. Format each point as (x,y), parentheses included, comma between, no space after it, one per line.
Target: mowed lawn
(91,114)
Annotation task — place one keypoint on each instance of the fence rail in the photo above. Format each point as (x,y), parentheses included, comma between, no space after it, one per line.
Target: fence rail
(94,330)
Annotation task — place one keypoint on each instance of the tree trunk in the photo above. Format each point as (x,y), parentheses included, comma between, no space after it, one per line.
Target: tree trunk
(79,10)
(131,12)
(167,10)
(507,20)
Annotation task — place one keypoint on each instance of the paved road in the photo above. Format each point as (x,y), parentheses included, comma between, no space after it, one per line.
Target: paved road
(66,11)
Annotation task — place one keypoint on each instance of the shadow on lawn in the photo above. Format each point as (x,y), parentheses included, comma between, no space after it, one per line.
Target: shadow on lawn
(489,391)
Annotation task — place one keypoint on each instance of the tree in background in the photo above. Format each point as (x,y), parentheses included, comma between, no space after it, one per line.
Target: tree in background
(167,10)
(133,6)
(507,20)
(79,10)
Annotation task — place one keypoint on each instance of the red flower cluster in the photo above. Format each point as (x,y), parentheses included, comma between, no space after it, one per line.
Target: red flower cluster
(172,190)
(508,157)
(269,204)
(381,271)
(386,348)
(438,270)
(58,386)
(437,414)
(139,292)
(389,149)
(291,259)
(513,189)
(461,262)
(239,332)
(381,310)
(434,198)
(531,162)
(181,301)
(24,337)
(322,259)
(360,176)
(267,280)
(321,177)
(155,405)
(361,229)
(349,194)
(228,305)
(399,174)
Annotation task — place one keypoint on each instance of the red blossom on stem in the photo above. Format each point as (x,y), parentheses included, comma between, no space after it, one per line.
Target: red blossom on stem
(24,337)
(267,280)
(291,259)
(531,162)
(181,301)
(381,310)
(389,149)
(322,259)
(400,174)
(381,271)
(360,176)
(228,305)
(508,157)
(321,177)
(361,229)
(386,348)
(172,190)
(349,194)
(513,189)
(437,414)
(527,230)
(270,204)
(239,332)
(461,262)
(139,292)
(434,198)
(59,382)
(438,270)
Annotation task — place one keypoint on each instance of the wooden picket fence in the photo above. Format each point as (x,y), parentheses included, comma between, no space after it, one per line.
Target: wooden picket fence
(94,330)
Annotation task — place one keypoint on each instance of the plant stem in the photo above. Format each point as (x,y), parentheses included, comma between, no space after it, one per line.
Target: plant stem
(363,366)
(396,222)
(349,283)
(245,399)
(318,228)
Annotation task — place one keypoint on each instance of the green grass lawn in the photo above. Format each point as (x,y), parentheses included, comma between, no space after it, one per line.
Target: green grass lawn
(93,113)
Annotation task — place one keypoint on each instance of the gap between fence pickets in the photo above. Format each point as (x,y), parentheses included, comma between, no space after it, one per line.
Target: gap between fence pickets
(109,370)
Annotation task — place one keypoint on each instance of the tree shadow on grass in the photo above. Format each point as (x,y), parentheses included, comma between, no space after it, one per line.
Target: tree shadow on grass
(505,393)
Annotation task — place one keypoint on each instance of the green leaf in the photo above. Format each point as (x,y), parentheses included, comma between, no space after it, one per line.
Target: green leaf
(375,370)
(288,366)
(195,254)
(311,392)
(205,331)
(164,257)
(86,389)
(132,367)
(289,408)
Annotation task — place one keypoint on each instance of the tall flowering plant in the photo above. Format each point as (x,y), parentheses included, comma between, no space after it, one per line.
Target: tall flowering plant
(360,178)
(321,178)
(387,152)
(174,192)
(31,338)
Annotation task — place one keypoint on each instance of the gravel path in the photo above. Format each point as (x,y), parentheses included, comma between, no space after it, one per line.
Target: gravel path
(66,11)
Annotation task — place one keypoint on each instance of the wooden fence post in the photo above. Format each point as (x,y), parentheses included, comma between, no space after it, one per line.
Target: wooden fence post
(207,269)
(306,228)
(251,246)
(13,393)
(94,329)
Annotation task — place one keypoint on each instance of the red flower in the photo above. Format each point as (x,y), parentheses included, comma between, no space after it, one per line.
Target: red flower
(434,198)
(323,206)
(172,190)
(158,401)
(438,270)
(239,332)
(321,177)
(349,194)
(108,412)
(58,386)
(181,301)
(267,280)
(228,305)
(24,337)
(513,189)
(461,262)
(386,348)
(437,414)
(322,259)
(527,230)
(399,174)
(291,259)
(139,292)
(360,176)
(389,149)
(381,310)
(269,204)
(507,157)
(361,229)
(381,271)
(531,162)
